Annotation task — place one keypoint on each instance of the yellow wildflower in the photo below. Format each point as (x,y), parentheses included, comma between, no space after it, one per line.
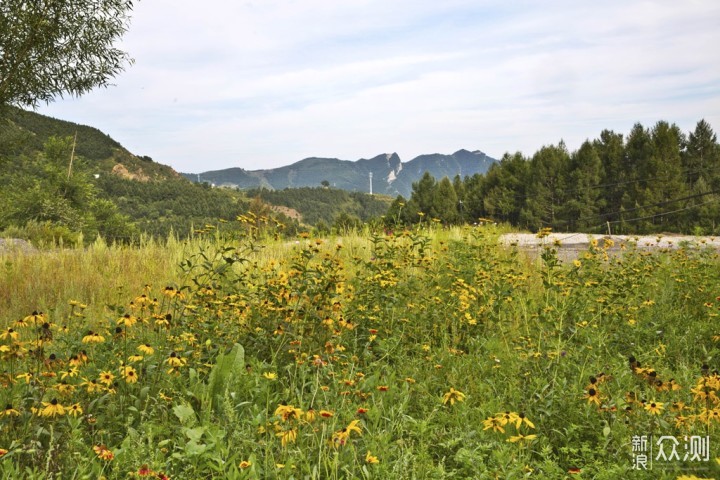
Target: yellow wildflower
(452,396)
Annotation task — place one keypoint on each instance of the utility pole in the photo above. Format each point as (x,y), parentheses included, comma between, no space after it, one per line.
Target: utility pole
(72,156)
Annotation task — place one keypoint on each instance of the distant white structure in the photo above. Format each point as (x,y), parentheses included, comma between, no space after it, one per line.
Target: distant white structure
(370,183)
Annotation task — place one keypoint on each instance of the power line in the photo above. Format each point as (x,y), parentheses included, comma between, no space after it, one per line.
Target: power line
(656,215)
(682,173)
(642,207)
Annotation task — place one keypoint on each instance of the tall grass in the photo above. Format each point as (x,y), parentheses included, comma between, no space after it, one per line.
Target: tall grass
(428,353)
(97,275)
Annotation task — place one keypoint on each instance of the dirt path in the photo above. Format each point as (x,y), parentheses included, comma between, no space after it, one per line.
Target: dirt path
(570,245)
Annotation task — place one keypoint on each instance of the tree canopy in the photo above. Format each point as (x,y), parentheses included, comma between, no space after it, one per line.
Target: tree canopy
(49,48)
(654,180)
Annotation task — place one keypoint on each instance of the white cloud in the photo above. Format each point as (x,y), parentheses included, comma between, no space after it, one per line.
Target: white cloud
(262,84)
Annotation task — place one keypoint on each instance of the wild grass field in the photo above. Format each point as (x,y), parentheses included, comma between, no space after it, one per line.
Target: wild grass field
(428,353)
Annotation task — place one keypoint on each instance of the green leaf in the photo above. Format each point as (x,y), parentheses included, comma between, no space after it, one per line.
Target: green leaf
(226,367)
(192,448)
(185,414)
(194,434)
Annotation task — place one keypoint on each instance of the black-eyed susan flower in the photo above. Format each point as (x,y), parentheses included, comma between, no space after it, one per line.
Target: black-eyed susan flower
(146,349)
(495,423)
(507,417)
(75,361)
(654,407)
(326,414)
(92,386)
(453,396)
(106,378)
(162,320)
(93,337)
(129,374)
(706,415)
(75,410)
(9,411)
(522,438)
(673,385)
(341,437)
(71,372)
(245,464)
(127,320)
(592,395)
(523,420)
(9,333)
(175,361)
(36,318)
(64,388)
(51,409)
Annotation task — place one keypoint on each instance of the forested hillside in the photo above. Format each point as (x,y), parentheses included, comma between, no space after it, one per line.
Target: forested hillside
(327,207)
(652,180)
(61,179)
(24,133)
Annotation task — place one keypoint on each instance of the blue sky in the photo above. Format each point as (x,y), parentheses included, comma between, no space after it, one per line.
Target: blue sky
(261,84)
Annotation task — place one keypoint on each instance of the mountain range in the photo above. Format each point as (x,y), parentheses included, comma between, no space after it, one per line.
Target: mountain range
(388,173)
(25,132)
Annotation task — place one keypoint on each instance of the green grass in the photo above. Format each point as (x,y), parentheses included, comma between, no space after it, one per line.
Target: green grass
(410,354)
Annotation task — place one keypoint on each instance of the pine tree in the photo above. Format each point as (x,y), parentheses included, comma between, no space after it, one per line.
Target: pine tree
(504,189)
(611,150)
(423,193)
(584,199)
(546,192)
(701,157)
(445,203)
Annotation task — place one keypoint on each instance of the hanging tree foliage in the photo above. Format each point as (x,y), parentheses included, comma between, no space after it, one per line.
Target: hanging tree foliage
(49,48)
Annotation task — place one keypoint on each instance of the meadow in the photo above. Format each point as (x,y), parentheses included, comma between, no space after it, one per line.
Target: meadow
(425,353)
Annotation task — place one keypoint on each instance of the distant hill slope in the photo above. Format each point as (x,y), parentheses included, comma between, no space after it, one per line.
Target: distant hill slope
(390,175)
(158,200)
(24,133)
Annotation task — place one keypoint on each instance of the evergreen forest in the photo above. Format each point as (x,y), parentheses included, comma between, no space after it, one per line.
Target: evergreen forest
(652,180)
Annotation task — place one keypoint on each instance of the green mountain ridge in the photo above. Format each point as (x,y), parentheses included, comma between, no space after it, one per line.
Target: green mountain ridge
(390,176)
